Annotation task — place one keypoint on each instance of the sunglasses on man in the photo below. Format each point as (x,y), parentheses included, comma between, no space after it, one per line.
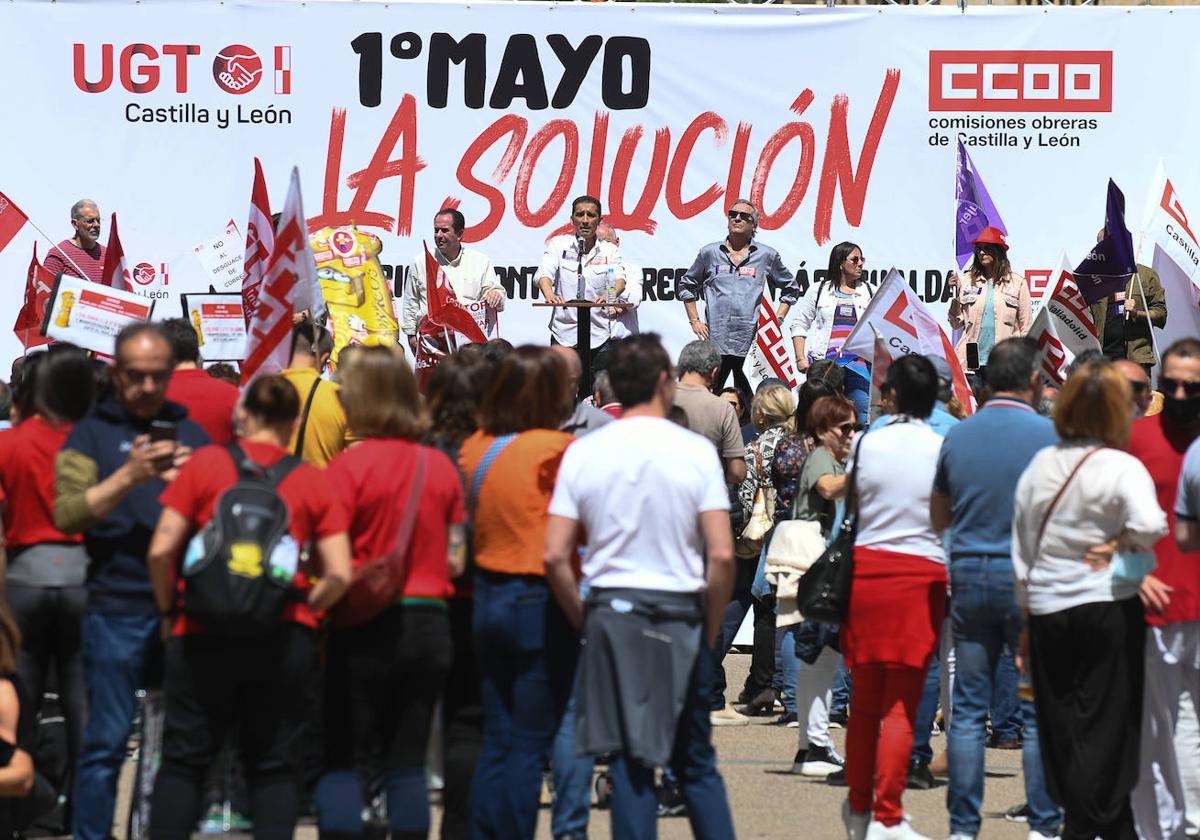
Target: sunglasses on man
(1169,386)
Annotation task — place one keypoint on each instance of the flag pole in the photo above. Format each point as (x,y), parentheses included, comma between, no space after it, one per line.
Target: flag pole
(66,256)
(1153,341)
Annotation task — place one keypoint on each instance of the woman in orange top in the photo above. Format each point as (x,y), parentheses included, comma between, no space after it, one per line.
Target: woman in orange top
(525,647)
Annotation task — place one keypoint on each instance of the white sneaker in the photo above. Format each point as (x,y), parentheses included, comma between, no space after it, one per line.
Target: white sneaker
(962,837)
(1037,835)
(856,824)
(900,831)
(728,717)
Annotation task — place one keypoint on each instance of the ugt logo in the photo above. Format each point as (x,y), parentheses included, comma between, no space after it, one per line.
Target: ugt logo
(236,69)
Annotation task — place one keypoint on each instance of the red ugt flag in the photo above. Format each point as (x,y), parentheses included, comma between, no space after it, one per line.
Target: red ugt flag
(260,242)
(11,221)
(116,272)
(442,303)
(38,283)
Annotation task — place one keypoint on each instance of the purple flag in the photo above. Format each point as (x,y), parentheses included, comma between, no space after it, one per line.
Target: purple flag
(975,209)
(1111,262)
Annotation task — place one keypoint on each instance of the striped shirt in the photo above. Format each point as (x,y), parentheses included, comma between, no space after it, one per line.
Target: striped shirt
(58,260)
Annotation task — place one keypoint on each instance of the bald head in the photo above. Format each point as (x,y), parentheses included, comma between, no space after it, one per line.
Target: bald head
(1139,380)
(573,364)
(606,233)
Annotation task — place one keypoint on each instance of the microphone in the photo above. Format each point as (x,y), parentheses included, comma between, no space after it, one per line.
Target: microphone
(579,248)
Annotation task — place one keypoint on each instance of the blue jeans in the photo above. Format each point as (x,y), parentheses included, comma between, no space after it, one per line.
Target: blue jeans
(526,652)
(858,391)
(986,620)
(694,762)
(922,751)
(572,777)
(740,603)
(116,652)
(1006,708)
(841,690)
(790,665)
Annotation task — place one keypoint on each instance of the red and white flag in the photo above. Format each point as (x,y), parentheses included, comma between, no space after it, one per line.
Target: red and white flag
(770,357)
(1169,245)
(38,284)
(260,242)
(289,285)
(11,220)
(904,325)
(116,271)
(1063,327)
(442,306)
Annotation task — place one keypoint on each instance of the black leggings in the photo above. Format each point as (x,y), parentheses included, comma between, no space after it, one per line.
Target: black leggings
(216,682)
(383,680)
(1088,677)
(737,366)
(462,715)
(50,619)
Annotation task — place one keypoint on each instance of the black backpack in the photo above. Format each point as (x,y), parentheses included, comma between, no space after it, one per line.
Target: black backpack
(239,567)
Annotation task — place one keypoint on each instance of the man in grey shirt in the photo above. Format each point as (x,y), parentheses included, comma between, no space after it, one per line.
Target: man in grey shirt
(730,276)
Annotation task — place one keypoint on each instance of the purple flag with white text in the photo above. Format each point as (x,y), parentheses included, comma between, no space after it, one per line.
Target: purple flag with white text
(974,211)
(1111,262)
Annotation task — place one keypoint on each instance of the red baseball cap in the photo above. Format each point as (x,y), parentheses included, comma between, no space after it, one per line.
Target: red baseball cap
(991,236)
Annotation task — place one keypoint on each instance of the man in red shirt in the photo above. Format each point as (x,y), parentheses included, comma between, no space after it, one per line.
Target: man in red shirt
(82,255)
(210,402)
(1169,766)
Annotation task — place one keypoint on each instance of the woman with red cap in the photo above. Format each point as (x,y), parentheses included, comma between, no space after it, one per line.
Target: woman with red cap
(991,303)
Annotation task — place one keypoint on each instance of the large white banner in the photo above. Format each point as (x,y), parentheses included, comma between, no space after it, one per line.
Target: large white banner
(840,123)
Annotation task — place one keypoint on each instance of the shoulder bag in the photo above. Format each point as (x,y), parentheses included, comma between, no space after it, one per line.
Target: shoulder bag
(751,539)
(823,594)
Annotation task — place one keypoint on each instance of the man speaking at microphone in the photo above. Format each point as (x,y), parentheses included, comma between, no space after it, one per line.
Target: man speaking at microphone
(575,267)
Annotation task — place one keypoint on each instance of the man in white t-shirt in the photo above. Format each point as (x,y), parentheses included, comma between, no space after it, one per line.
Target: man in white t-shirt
(651,497)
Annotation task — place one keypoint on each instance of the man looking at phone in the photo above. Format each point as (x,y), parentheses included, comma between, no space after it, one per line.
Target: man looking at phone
(108,476)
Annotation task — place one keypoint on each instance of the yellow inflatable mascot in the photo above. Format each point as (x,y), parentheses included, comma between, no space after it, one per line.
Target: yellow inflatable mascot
(354,288)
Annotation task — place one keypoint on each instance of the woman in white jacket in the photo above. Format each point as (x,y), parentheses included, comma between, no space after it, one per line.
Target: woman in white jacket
(825,317)
(1086,623)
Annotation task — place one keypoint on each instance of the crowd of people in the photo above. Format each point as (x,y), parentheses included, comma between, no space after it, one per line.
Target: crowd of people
(536,563)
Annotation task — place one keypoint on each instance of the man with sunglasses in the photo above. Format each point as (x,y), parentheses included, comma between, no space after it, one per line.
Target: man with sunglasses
(1139,381)
(108,476)
(1166,800)
(730,276)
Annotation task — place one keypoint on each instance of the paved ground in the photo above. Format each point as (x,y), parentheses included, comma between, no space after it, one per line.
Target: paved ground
(768,802)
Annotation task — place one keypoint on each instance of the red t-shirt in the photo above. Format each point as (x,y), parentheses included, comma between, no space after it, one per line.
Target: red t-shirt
(209,402)
(372,481)
(305,491)
(27,454)
(1160,445)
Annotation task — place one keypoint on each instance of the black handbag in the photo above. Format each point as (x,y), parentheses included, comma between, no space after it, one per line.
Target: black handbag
(823,592)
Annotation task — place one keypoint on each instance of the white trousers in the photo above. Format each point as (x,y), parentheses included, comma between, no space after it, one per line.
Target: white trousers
(814,690)
(1166,800)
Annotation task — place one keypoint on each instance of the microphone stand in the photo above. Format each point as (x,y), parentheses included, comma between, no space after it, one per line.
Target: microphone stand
(579,289)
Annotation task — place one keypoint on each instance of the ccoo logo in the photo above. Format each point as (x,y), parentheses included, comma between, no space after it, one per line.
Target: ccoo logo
(1040,81)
